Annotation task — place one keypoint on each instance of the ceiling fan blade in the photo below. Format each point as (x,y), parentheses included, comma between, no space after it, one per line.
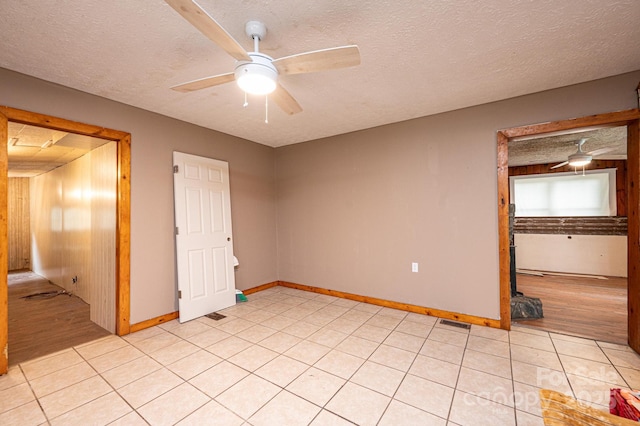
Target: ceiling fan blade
(564,163)
(285,101)
(203,83)
(199,18)
(601,151)
(319,60)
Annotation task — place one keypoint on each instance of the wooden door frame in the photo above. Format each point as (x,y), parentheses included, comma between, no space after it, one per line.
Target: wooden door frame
(629,118)
(123,212)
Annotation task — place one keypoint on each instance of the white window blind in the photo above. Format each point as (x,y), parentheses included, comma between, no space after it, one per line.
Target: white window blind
(565,194)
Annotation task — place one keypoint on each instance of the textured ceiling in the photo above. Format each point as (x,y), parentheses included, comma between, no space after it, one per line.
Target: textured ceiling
(418,57)
(557,148)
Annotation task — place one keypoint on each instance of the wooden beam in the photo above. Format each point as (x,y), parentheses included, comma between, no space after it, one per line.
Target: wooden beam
(620,118)
(633,233)
(586,225)
(48,122)
(4,247)
(503,231)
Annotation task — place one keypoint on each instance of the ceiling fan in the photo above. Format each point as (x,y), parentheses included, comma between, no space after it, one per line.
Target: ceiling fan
(255,72)
(581,158)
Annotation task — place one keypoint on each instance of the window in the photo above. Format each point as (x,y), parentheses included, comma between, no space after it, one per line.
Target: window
(565,194)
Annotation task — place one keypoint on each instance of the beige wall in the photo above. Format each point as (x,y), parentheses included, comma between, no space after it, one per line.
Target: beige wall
(154,138)
(354,211)
(73,225)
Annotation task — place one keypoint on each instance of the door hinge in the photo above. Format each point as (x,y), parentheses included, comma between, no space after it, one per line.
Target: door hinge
(179,294)
(176,169)
(177,231)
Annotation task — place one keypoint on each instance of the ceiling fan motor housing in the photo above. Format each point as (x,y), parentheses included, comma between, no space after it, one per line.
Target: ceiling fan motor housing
(257,77)
(579,159)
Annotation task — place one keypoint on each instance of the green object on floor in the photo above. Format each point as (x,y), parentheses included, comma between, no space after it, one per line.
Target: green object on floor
(240,297)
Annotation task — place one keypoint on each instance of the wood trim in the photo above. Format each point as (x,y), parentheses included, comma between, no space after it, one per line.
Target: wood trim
(4,239)
(55,123)
(123,207)
(153,322)
(619,118)
(260,288)
(504,258)
(633,234)
(123,237)
(630,118)
(471,319)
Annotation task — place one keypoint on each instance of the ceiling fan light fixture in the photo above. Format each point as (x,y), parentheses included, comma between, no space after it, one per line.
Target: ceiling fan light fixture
(579,159)
(258,77)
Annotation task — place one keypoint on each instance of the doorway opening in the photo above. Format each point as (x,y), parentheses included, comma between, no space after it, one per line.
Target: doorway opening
(120,267)
(630,121)
(569,231)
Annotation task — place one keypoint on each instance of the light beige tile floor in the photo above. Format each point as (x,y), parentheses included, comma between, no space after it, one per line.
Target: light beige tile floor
(289,357)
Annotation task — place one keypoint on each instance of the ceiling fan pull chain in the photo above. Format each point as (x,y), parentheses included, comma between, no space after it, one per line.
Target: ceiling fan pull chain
(266,109)
(245,100)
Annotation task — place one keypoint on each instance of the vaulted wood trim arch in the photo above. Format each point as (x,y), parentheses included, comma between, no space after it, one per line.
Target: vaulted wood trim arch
(629,118)
(123,212)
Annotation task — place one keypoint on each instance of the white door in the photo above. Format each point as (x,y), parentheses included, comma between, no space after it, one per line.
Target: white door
(204,249)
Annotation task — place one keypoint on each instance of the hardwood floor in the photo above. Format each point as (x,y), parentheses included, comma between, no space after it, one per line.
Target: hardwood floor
(40,326)
(585,307)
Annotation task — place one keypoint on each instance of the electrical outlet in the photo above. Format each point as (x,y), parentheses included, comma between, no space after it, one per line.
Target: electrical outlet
(414,267)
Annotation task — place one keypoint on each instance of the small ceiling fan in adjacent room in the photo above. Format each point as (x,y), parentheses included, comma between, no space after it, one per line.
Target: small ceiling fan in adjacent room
(256,72)
(581,158)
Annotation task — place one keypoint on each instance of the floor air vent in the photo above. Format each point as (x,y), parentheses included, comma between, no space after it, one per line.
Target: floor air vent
(215,316)
(455,324)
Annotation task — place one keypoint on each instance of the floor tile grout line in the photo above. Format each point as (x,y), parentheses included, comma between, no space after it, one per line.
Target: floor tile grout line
(44,414)
(455,387)
(405,374)
(513,382)
(111,386)
(615,367)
